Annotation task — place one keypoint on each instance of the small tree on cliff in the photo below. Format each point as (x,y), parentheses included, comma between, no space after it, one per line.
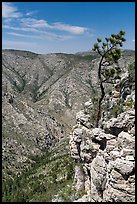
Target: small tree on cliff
(110,54)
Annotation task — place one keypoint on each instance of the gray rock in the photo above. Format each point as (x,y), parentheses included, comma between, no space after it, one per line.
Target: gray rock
(125,167)
(77,135)
(125,152)
(116,195)
(98,172)
(126,140)
(84,119)
(123,122)
(111,169)
(79,178)
(84,198)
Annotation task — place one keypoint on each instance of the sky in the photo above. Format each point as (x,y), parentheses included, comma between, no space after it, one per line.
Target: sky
(65,27)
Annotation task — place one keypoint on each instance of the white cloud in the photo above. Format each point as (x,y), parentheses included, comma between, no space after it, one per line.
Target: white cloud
(30,13)
(133,40)
(42,36)
(69,28)
(34,23)
(7,20)
(36,28)
(10,11)
(22,35)
(19,28)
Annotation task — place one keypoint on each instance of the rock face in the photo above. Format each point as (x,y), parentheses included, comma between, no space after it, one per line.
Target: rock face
(104,157)
(125,121)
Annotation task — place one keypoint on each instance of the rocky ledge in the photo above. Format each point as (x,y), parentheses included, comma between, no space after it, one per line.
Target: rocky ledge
(104,157)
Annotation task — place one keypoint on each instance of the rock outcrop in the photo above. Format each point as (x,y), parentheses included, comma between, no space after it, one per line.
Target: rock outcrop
(104,156)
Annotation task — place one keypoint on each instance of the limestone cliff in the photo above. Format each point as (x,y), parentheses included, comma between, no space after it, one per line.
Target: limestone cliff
(105,156)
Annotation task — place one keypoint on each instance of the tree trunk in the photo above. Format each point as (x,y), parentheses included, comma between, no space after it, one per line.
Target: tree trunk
(102,93)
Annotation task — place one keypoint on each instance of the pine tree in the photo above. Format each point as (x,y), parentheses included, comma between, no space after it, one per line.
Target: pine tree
(110,53)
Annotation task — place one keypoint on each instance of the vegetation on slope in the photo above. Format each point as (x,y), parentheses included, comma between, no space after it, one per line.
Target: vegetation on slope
(50,175)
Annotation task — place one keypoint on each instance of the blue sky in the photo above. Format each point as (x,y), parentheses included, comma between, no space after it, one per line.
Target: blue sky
(69,27)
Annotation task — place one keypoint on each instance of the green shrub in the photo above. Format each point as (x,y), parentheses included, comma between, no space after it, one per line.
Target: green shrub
(117,109)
